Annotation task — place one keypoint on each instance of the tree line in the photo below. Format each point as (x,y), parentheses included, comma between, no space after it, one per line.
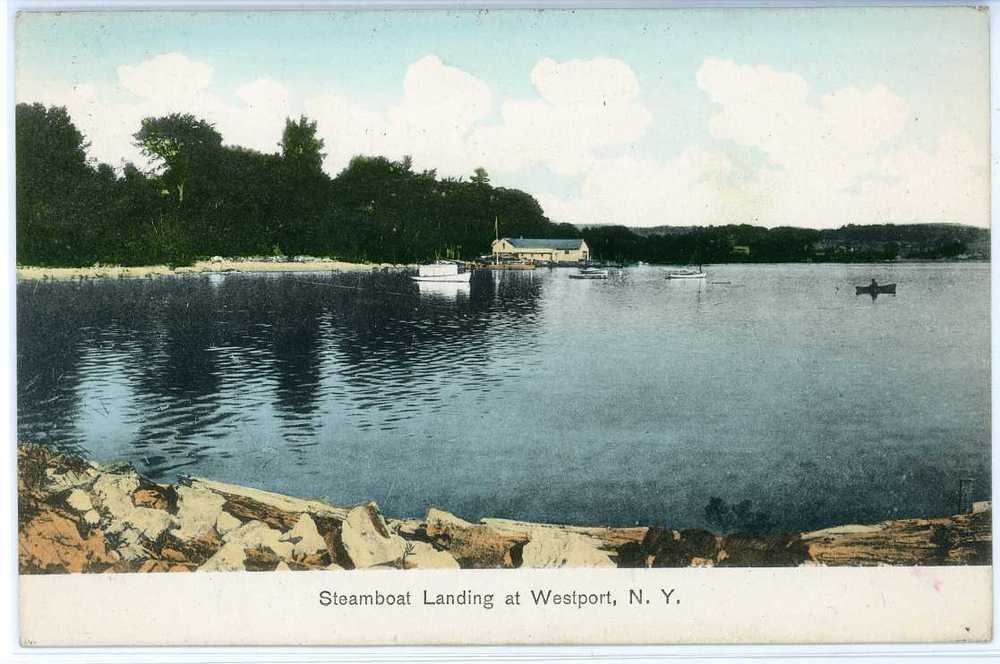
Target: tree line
(200,197)
(203,198)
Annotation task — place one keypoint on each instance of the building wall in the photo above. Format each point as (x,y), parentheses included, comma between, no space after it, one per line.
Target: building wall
(502,246)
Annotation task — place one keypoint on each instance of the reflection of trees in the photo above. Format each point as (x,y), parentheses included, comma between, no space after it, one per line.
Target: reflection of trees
(52,320)
(202,353)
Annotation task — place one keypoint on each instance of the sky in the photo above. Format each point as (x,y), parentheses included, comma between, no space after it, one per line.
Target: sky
(800,117)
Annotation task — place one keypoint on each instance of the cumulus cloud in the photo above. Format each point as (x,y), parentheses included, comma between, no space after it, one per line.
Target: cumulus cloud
(439,106)
(825,160)
(583,106)
(643,192)
(168,83)
(836,159)
(170,75)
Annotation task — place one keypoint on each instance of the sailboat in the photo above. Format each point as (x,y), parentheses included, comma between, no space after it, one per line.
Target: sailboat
(687,274)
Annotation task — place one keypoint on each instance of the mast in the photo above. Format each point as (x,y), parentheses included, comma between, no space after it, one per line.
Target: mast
(496,233)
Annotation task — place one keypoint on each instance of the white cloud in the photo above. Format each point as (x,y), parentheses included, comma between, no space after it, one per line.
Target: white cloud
(835,159)
(641,192)
(583,106)
(170,75)
(431,121)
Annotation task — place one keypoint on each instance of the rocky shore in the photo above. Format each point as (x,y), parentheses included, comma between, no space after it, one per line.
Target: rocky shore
(78,516)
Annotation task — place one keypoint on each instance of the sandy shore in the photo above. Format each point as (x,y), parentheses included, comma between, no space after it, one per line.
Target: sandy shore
(25,273)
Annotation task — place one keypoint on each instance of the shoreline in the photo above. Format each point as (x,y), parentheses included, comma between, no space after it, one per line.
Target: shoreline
(78,516)
(29,273)
(34,272)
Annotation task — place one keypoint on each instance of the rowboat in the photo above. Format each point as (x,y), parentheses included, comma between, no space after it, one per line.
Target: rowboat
(442,271)
(889,289)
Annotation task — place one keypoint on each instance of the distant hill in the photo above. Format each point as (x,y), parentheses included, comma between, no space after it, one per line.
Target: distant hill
(752,244)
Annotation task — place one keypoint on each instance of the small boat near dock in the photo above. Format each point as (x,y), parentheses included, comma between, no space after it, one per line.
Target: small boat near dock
(687,274)
(590,273)
(443,272)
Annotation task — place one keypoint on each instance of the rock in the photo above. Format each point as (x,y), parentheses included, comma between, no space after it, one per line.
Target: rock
(474,545)
(438,520)
(282,567)
(743,550)
(261,559)
(663,547)
(154,566)
(550,548)
(156,497)
(226,522)
(850,529)
(114,493)
(62,478)
(421,555)
(277,501)
(51,542)
(198,510)
(367,540)
(79,500)
(257,534)
(305,538)
(229,558)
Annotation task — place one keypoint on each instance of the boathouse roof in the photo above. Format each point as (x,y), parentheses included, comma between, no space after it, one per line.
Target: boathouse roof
(537,243)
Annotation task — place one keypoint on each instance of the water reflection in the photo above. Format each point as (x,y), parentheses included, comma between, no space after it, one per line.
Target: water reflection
(208,361)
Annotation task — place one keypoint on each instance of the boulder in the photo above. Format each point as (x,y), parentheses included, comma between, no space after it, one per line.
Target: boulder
(742,550)
(51,542)
(198,510)
(226,522)
(79,501)
(305,538)
(421,555)
(551,548)
(367,540)
(257,534)
(474,545)
(113,492)
(229,558)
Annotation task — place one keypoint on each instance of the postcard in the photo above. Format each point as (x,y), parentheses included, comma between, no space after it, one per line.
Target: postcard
(602,326)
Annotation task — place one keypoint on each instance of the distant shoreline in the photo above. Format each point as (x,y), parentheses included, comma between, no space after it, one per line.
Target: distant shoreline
(34,272)
(28,273)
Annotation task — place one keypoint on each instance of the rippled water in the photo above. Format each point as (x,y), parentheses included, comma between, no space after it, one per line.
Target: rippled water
(528,394)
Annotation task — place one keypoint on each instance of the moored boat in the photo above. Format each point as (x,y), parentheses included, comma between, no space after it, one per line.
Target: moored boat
(686,274)
(590,273)
(444,272)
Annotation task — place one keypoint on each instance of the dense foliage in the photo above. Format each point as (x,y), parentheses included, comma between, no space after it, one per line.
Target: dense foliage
(204,198)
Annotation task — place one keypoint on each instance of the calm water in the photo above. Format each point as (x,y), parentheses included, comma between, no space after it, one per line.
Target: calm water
(531,395)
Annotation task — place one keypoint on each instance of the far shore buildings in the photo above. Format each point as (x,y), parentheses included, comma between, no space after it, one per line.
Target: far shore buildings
(531,249)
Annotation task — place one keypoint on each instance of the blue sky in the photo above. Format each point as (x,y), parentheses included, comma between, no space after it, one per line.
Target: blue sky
(588,110)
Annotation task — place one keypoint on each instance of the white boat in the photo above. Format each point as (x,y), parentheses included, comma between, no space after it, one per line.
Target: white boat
(590,273)
(686,274)
(442,272)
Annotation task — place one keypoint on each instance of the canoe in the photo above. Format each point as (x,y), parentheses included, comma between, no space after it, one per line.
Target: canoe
(686,274)
(888,289)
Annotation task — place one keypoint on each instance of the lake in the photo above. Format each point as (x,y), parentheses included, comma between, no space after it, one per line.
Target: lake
(530,395)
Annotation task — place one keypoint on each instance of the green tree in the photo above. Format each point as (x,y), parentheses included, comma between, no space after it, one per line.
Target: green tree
(182,144)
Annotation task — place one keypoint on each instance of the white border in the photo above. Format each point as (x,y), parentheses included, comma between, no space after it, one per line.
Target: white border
(11,651)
